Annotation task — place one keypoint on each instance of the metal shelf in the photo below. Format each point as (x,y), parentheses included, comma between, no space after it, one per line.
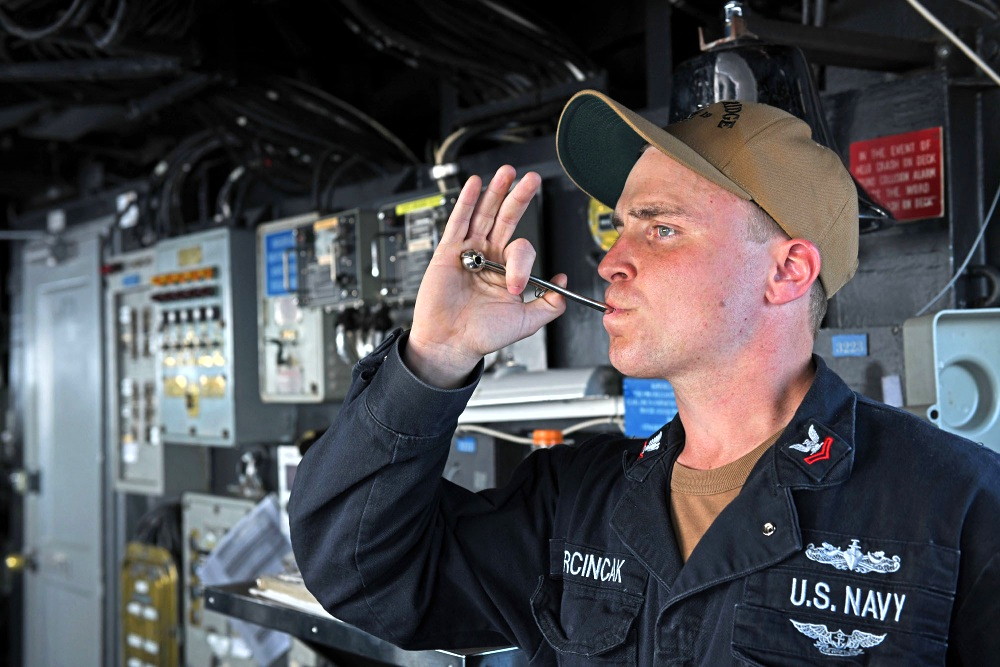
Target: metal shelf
(235,600)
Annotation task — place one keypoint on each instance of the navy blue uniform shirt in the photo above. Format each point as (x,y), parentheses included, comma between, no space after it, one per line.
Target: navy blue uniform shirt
(864,535)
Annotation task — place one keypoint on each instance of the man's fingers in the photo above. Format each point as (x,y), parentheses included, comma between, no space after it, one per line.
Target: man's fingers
(458,222)
(512,208)
(553,299)
(518,258)
(550,306)
(489,203)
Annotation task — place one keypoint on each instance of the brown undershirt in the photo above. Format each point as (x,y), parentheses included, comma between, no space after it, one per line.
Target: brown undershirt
(697,497)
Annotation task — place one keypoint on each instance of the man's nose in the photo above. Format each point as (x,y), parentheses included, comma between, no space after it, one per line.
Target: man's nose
(616,264)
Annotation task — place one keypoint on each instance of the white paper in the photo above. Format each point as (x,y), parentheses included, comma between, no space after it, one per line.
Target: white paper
(253,547)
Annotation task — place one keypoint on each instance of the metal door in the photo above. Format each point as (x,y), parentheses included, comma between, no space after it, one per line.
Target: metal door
(63,594)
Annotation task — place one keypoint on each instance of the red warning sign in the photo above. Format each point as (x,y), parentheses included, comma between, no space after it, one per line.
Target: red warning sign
(903,172)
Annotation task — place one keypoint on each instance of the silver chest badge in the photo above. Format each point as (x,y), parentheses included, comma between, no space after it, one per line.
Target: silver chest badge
(838,643)
(852,558)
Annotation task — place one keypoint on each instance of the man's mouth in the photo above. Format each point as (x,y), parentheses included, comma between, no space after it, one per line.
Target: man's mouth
(613,307)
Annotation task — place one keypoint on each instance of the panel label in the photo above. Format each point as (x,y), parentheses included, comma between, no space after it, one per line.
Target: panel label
(850,345)
(649,404)
(903,172)
(419,204)
(189,256)
(327,223)
(465,444)
(280,263)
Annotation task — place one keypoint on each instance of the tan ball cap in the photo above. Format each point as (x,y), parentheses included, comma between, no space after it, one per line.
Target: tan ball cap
(758,152)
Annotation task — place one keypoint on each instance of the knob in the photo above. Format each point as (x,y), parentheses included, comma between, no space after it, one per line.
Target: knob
(19,562)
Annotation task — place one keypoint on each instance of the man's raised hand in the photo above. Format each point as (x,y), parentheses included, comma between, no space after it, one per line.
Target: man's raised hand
(460,316)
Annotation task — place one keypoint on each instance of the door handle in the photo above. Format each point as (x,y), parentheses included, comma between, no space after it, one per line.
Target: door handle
(25,481)
(19,562)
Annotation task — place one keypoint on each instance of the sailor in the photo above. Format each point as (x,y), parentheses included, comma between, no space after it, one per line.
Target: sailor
(780,518)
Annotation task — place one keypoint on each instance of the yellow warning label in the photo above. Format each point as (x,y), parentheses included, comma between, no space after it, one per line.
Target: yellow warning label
(327,223)
(419,204)
(189,256)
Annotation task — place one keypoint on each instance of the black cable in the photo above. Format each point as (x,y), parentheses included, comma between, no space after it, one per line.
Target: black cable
(239,202)
(175,208)
(353,111)
(318,173)
(509,51)
(537,45)
(171,180)
(33,34)
(341,169)
(990,11)
(223,208)
(109,37)
(522,56)
(201,177)
(281,126)
(394,39)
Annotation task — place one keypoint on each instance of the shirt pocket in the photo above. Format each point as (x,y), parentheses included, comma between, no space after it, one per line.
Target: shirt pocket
(851,600)
(587,606)
(584,624)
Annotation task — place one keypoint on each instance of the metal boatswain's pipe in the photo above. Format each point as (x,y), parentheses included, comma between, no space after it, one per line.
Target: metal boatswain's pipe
(474,261)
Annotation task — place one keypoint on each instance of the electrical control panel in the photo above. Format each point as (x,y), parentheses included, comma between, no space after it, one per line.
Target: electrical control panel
(408,234)
(206,363)
(149,611)
(296,359)
(140,460)
(337,267)
(209,638)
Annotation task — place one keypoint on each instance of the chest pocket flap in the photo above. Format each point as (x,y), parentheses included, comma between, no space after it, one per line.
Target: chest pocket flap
(587,606)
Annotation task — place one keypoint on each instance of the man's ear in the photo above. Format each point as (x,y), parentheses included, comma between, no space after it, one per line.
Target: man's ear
(795,267)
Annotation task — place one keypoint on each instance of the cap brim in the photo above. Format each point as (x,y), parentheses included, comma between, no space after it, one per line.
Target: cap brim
(598,141)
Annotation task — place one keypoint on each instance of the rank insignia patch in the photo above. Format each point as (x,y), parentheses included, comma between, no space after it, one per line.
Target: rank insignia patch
(813,448)
(652,444)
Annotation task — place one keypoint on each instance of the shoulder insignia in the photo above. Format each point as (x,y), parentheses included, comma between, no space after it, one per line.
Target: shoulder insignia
(813,448)
(811,444)
(652,444)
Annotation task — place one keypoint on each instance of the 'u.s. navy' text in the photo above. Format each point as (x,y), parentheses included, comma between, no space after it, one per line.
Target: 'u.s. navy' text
(857,601)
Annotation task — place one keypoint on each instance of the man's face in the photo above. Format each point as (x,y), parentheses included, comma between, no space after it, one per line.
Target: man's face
(687,282)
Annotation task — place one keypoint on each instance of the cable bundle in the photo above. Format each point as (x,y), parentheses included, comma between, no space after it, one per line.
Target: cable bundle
(191,159)
(161,526)
(104,23)
(299,139)
(280,132)
(485,49)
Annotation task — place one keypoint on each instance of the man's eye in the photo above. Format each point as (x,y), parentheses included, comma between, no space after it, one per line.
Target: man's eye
(662,231)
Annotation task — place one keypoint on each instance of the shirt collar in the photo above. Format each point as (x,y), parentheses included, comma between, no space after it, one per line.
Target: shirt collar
(815,450)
